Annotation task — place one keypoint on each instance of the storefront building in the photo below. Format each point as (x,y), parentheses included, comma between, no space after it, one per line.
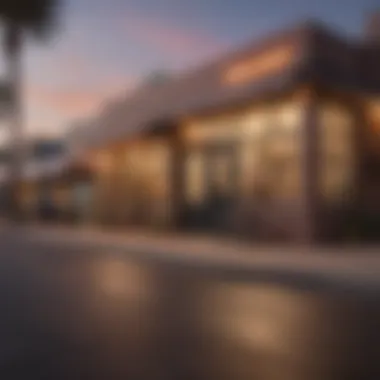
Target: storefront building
(280,140)
(51,185)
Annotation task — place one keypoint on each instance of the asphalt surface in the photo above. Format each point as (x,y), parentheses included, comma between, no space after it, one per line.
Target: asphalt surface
(64,314)
(334,268)
(84,311)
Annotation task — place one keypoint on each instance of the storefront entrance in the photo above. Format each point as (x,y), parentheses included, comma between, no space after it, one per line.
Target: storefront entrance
(210,177)
(82,200)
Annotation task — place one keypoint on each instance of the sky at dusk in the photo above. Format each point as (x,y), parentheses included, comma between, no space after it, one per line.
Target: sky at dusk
(103,48)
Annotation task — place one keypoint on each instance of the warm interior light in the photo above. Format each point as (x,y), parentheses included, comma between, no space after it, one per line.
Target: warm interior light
(104,161)
(259,66)
(374,113)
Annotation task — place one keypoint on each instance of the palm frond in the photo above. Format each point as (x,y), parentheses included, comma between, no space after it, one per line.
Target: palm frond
(37,16)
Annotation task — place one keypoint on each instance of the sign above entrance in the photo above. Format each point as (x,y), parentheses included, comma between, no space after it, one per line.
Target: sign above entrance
(260,65)
(218,129)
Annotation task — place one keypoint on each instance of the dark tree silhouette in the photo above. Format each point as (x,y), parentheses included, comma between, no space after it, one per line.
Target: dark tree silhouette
(21,18)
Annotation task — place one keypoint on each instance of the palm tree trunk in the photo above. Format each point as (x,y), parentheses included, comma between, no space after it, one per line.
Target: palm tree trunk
(13,51)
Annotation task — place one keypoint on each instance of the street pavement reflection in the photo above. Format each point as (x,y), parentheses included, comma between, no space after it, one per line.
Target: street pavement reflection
(88,314)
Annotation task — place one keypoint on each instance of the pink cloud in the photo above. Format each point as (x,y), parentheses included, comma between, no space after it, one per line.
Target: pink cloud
(74,65)
(68,102)
(171,39)
(82,87)
(75,102)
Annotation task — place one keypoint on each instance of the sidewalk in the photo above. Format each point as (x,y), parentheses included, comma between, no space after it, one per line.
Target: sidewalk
(172,242)
(214,251)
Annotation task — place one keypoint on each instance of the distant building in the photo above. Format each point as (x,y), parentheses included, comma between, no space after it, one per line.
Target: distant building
(47,180)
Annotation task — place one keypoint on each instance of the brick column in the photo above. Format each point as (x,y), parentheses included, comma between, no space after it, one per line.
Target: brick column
(310,170)
(177,178)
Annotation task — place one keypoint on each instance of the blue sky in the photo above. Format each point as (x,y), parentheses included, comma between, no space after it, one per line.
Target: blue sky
(103,48)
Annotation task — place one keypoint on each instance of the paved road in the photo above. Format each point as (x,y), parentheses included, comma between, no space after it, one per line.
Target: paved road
(72,311)
(343,267)
(64,314)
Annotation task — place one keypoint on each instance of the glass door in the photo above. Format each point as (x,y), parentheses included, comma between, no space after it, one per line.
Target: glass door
(221,184)
(211,173)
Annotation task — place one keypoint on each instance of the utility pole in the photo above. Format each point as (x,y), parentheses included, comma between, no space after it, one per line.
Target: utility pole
(12,46)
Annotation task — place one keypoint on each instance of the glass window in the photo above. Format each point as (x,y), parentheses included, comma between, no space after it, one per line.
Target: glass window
(222,128)
(336,152)
(157,171)
(104,162)
(254,125)
(269,151)
(280,155)
(249,156)
(194,178)
(373,118)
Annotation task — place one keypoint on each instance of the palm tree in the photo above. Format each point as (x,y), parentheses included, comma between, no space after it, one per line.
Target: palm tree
(19,18)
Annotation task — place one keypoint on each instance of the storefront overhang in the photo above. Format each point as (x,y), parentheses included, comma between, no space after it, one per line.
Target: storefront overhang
(78,172)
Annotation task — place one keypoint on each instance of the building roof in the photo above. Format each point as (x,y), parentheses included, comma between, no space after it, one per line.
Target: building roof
(306,52)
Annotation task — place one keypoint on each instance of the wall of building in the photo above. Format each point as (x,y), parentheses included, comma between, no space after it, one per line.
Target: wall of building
(267,145)
(269,173)
(340,143)
(132,185)
(29,200)
(287,175)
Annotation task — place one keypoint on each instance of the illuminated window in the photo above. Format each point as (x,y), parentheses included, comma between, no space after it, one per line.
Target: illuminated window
(194,178)
(104,161)
(157,169)
(223,128)
(254,126)
(255,123)
(269,151)
(336,152)
(280,155)
(221,171)
(373,116)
